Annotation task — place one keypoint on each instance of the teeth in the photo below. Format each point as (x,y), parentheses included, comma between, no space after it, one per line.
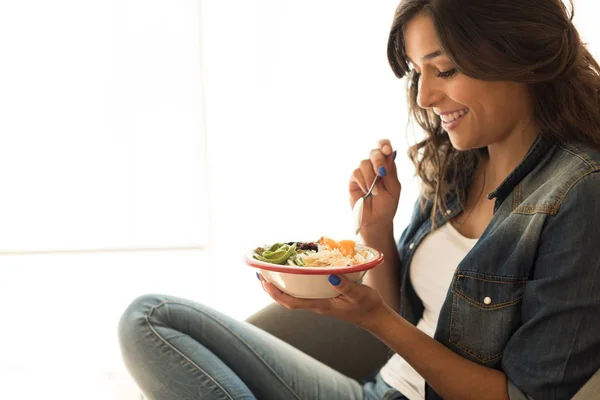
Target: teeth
(453,116)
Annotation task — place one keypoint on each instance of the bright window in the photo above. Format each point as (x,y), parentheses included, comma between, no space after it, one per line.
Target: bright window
(102,142)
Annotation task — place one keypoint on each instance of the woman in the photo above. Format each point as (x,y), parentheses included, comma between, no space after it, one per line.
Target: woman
(493,290)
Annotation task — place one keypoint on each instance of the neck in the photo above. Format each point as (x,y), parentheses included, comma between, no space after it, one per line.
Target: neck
(503,157)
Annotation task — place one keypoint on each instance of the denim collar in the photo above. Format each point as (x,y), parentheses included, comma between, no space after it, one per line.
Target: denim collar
(538,150)
(536,153)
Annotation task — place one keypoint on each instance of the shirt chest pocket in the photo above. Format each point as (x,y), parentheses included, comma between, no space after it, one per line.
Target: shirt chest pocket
(485,313)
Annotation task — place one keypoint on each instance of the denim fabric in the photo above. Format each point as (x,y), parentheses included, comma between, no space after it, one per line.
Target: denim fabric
(176,349)
(526,298)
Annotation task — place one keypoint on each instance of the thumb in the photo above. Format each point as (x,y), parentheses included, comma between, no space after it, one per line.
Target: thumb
(391,163)
(343,286)
(390,181)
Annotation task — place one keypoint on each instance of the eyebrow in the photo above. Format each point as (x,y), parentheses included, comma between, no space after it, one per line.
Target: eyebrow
(428,57)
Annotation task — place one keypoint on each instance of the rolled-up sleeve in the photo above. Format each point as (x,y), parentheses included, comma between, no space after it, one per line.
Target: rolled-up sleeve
(557,348)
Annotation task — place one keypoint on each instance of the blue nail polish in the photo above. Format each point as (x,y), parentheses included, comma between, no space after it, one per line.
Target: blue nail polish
(258,276)
(395,153)
(334,280)
(381,171)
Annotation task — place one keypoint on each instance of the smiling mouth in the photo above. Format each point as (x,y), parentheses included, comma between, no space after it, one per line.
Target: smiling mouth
(453,116)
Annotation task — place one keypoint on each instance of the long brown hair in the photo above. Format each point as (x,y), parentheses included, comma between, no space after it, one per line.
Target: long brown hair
(531,42)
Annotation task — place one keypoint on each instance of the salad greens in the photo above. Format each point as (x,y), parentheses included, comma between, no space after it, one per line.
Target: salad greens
(283,253)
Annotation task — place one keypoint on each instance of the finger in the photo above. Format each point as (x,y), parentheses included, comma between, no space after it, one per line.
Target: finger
(350,290)
(366,170)
(391,163)
(385,166)
(262,281)
(358,185)
(385,145)
(380,167)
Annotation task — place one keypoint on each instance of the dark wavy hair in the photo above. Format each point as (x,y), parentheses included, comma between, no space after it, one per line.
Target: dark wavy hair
(531,42)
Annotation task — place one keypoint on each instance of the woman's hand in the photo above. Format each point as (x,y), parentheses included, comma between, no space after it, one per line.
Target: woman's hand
(357,303)
(379,209)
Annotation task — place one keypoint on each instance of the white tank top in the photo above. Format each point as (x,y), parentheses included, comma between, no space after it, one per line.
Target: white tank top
(431,272)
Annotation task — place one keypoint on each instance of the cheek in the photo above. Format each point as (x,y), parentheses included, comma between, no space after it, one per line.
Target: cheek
(465,93)
(483,107)
(490,124)
(498,102)
(463,84)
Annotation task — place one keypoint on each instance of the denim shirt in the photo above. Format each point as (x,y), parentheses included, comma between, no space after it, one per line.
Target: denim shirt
(526,299)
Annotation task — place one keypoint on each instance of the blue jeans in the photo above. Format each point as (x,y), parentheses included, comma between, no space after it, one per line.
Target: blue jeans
(177,349)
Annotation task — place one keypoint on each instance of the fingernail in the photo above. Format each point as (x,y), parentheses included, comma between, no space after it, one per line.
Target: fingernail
(381,171)
(334,280)
(258,276)
(395,152)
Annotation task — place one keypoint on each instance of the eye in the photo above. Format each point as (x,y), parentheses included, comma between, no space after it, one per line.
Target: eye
(447,74)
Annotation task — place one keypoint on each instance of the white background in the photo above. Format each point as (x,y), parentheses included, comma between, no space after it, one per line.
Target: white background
(146,145)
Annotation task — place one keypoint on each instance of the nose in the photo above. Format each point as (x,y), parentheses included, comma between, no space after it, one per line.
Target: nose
(429,94)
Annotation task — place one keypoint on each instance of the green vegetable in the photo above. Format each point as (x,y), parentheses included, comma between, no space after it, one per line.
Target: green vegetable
(296,260)
(277,254)
(275,246)
(282,253)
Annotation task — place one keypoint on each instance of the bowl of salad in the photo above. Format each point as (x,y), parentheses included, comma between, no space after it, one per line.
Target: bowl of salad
(301,269)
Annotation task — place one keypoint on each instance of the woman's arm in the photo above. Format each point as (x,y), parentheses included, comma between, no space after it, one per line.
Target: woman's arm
(377,229)
(555,350)
(450,375)
(384,278)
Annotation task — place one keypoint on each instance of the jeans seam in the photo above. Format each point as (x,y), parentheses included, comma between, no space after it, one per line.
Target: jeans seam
(235,335)
(514,282)
(577,152)
(161,338)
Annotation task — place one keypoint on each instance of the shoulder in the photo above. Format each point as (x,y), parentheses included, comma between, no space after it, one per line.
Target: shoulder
(577,159)
(576,171)
(568,171)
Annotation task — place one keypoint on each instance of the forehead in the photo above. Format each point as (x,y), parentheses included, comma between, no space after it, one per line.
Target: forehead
(420,38)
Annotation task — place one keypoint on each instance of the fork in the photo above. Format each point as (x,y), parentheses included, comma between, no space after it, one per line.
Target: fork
(371,188)
(357,210)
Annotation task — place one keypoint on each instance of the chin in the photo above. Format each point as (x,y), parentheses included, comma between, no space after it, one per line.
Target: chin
(462,143)
(466,140)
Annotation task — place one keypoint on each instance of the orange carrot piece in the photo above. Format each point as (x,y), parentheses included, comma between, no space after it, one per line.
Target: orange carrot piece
(347,247)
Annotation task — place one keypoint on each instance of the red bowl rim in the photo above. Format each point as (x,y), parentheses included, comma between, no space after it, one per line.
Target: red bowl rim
(378,259)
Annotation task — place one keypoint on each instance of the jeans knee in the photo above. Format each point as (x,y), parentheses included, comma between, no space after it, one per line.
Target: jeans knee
(133,328)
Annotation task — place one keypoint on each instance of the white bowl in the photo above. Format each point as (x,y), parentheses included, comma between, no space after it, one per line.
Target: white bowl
(311,282)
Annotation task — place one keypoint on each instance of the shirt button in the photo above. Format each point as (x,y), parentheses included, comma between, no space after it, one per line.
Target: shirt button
(487,301)
(411,246)
(448,212)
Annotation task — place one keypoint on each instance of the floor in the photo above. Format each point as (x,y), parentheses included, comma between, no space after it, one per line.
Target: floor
(59,315)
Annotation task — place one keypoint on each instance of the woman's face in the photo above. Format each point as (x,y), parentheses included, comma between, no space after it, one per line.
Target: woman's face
(474,113)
